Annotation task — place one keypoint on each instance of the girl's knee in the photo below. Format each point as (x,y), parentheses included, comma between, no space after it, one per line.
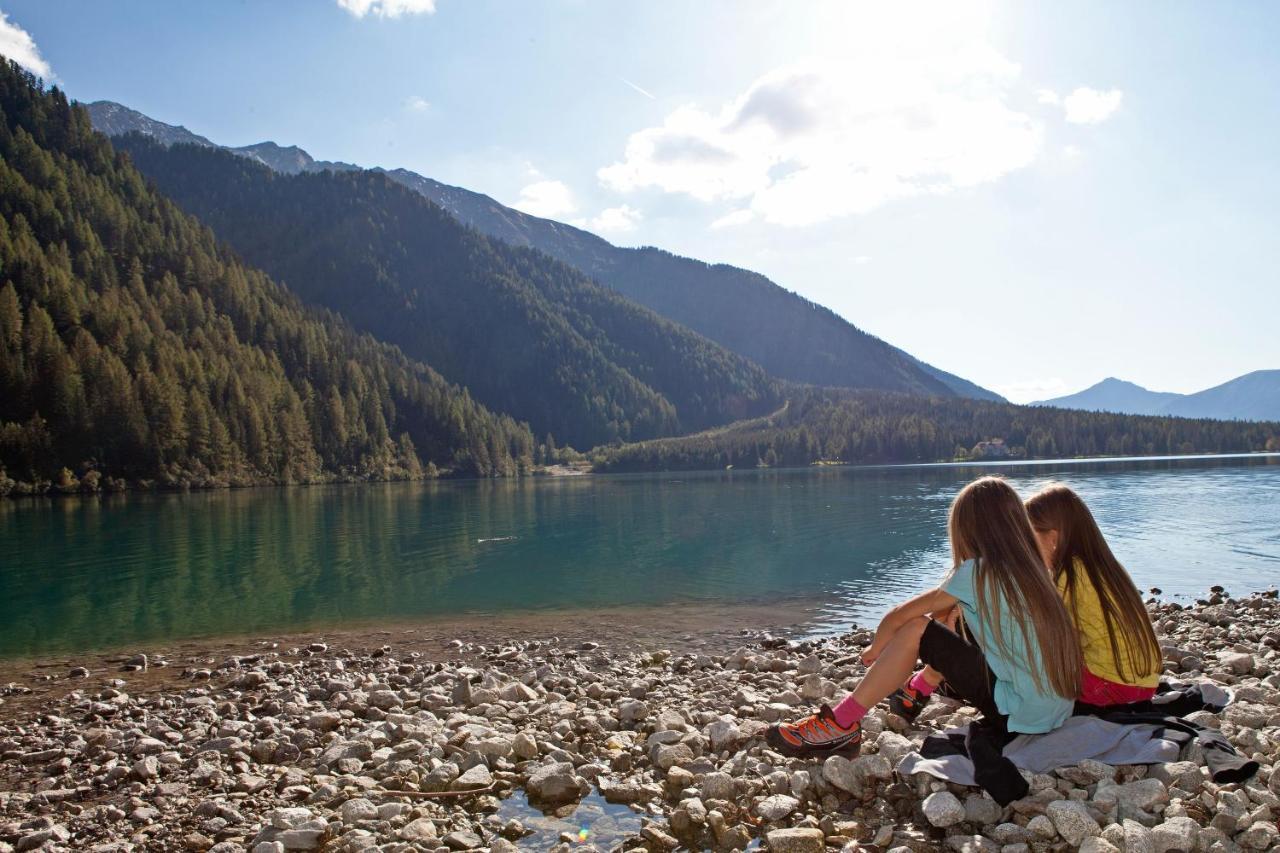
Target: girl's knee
(915,627)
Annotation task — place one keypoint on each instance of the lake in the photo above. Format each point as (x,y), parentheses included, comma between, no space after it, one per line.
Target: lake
(81,574)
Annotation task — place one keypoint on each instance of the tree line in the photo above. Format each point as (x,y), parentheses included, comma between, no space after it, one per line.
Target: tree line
(867,427)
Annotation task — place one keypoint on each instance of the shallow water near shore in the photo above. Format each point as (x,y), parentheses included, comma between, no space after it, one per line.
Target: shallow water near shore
(839,544)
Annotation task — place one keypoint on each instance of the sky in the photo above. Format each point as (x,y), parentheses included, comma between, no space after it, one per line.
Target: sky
(1033,196)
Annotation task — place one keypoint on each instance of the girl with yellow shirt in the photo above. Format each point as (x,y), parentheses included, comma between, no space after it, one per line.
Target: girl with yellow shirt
(1121,656)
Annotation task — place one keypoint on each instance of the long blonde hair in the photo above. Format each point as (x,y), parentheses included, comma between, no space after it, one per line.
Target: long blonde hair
(989,525)
(1082,549)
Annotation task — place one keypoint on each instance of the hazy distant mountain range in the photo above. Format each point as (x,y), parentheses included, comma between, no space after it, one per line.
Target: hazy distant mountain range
(1253,397)
(788,335)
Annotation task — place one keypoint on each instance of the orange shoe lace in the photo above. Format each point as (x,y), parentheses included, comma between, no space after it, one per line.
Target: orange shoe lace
(813,724)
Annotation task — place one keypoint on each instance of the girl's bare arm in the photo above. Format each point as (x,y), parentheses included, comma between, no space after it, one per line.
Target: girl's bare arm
(926,603)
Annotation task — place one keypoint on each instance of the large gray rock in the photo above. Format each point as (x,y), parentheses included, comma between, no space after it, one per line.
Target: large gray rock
(385,699)
(1176,834)
(358,809)
(1137,838)
(856,775)
(524,746)
(1097,844)
(631,711)
(981,810)
(463,840)
(627,790)
(352,749)
(422,829)
(777,807)
(941,808)
(1072,820)
(517,692)
(476,777)
(718,786)
(1260,836)
(667,755)
(796,841)
(724,734)
(1144,794)
(555,783)
(971,844)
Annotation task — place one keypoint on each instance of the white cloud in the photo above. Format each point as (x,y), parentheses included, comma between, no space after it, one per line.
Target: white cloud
(546,198)
(616,219)
(1091,106)
(416,104)
(17,44)
(862,259)
(1048,96)
(737,217)
(388,8)
(905,109)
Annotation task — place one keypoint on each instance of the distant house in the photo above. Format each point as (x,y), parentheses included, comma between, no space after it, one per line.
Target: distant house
(993,449)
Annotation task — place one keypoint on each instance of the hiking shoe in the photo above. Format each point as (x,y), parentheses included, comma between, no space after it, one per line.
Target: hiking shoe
(818,734)
(907,702)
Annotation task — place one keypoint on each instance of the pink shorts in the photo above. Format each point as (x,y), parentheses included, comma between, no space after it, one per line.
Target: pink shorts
(1101,692)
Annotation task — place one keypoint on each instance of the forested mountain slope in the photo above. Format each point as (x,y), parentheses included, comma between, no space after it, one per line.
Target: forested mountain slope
(790,336)
(525,333)
(827,425)
(133,345)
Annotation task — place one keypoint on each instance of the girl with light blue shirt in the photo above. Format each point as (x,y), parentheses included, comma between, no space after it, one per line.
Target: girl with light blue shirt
(1018,660)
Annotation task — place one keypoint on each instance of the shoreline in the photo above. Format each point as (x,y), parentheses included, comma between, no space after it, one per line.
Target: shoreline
(708,626)
(574,471)
(644,730)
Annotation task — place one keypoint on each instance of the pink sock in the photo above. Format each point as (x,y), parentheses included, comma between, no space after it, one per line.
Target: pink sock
(848,712)
(919,684)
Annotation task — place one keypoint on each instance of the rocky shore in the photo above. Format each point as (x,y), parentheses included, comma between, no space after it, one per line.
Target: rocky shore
(562,743)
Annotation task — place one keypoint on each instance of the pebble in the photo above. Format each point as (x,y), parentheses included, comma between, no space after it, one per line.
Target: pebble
(305,748)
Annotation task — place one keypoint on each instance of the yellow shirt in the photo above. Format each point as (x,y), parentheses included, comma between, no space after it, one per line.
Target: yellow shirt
(1094,639)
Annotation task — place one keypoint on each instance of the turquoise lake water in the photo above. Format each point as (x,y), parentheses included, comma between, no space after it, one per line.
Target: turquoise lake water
(104,573)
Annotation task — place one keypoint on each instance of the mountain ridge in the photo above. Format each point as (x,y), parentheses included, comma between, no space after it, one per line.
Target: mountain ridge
(1253,396)
(765,325)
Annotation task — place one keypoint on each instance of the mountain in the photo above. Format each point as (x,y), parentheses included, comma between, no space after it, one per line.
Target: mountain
(825,425)
(523,332)
(790,336)
(135,346)
(1114,395)
(1254,396)
(117,120)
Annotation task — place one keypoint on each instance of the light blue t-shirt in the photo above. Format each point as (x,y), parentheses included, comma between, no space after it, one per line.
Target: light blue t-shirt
(1030,708)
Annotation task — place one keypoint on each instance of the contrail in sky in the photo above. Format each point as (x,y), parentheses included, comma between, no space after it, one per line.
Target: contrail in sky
(644,92)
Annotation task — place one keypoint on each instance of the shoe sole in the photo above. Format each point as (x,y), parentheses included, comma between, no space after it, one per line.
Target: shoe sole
(909,716)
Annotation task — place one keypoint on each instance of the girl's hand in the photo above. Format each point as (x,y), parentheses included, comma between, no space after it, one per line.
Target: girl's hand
(949,617)
(872,652)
